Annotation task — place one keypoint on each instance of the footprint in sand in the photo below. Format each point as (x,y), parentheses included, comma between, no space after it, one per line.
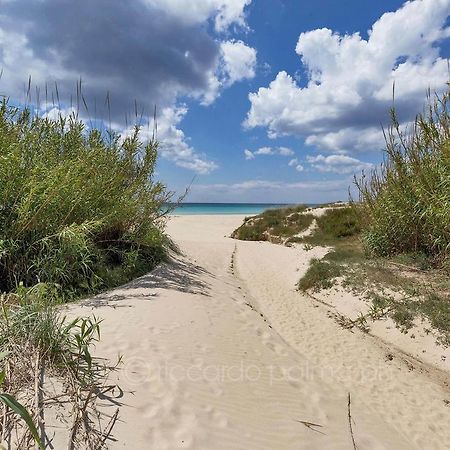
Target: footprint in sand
(276,348)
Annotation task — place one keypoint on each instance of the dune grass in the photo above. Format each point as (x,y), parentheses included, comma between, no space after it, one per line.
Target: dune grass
(404,287)
(78,207)
(274,225)
(406,201)
(37,343)
(80,212)
(337,228)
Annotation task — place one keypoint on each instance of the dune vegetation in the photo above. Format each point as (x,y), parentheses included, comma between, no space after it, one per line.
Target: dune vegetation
(401,234)
(397,235)
(338,228)
(406,202)
(80,212)
(78,208)
(275,225)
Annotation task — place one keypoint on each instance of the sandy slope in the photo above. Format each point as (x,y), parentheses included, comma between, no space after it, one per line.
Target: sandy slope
(220,352)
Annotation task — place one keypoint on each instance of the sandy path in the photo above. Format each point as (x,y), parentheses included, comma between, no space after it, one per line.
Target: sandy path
(215,362)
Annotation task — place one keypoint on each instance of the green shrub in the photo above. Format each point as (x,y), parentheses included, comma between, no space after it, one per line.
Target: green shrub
(75,203)
(406,203)
(340,222)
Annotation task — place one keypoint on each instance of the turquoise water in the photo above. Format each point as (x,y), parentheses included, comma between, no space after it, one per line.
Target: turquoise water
(224,208)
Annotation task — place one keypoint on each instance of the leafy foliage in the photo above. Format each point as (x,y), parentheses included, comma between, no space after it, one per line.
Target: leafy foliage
(406,203)
(78,207)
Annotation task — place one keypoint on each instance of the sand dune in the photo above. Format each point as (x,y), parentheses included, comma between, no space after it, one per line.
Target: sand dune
(221,352)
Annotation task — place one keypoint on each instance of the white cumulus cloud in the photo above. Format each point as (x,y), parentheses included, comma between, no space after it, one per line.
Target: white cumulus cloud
(248,154)
(173,144)
(239,61)
(268,151)
(341,164)
(348,89)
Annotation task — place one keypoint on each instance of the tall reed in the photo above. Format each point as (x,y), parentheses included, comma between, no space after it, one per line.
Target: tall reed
(407,201)
(78,207)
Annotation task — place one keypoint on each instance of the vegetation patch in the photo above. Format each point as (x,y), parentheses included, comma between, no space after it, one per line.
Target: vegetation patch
(404,287)
(274,225)
(80,212)
(78,208)
(38,344)
(320,275)
(406,201)
(339,229)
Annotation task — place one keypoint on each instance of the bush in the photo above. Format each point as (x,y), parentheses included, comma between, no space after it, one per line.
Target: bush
(75,204)
(406,203)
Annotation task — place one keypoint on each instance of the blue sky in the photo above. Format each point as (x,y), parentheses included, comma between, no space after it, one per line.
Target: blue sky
(258,100)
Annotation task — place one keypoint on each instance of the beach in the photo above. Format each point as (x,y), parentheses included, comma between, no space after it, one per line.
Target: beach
(219,350)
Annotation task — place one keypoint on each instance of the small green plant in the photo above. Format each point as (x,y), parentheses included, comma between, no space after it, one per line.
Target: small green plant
(320,275)
(10,402)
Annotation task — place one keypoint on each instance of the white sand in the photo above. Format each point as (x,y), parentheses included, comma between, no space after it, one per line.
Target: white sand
(221,352)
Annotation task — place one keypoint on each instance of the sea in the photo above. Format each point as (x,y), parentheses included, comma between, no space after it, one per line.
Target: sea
(225,208)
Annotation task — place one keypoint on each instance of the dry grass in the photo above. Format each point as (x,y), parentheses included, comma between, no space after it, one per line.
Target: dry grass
(37,344)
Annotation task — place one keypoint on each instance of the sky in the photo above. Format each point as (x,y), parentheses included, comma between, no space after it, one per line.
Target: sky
(256,100)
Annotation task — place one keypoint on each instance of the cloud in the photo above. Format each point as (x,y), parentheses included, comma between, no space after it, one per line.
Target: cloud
(285,151)
(155,57)
(294,163)
(275,191)
(54,113)
(154,51)
(348,87)
(322,185)
(265,151)
(239,61)
(340,164)
(248,154)
(282,151)
(173,144)
(224,12)
(358,140)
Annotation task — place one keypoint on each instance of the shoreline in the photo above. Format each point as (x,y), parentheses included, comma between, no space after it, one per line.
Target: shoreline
(220,351)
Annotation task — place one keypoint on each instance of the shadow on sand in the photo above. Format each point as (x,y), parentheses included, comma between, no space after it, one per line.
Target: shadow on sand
(177,274)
